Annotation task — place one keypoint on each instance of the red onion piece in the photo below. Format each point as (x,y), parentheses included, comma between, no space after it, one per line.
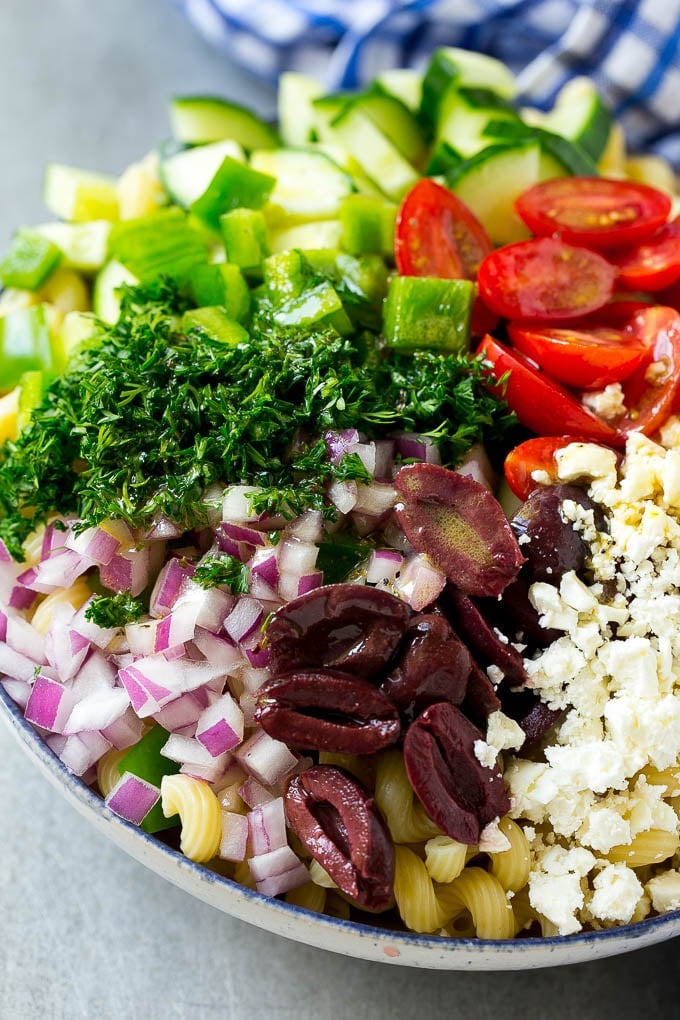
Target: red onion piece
(49,704)
(245,617)
(79,751)
(411,446)
(343,496)
(99,636)
(127,730)
(384,565)
(236,504)
(95,543)
(132,798)
(127,571)
(375,499)
(278,871)
(254,794)
(339,443)
(267,827)
(163,529)
(97,711)
(18,690)
(22,637)
(477,465)
(183,712)
(59,570)
(166,590)
(419,583)
(308,527)
(234,841)
(218,650)
(220,726)
(16,665)
(241,533)
(4,553)
(266,759)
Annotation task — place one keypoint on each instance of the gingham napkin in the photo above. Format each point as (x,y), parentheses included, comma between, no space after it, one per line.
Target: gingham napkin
(629,48)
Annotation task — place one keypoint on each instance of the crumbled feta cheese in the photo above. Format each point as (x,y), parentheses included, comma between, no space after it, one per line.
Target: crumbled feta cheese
(664,891)
(492,840)
(556,888)
(503,732)
(617,891)
(485,754)
(607,403)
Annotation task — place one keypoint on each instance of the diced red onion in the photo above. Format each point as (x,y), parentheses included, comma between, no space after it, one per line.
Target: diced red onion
(49,704)
(477,465)
(241,533)
(99,636)
(236,505)
(412,446)
(245,617)
(258,657)
(248,704)
(127,571)
(96,543)
(242,551)
(180,713)
(98,711)
(384,459)
(59,570)
(384,565)
(22,637)
(395,537)
(163,529)
(278,871)
(296,559)
(375,499)
(152,681)
(18,690)
(220,726)
(266,759)
(16,665)
(5,556)
(264,564)
(338,443)
(132,798)
(207,607)
(343,496)
(189,751)
(127,730)
(419,583)
(308,527)
(366,454)
(254,794)
(213,774)
(267,827)
(219,651)
(253,678)
(166,590)
(234,841)
(79,751)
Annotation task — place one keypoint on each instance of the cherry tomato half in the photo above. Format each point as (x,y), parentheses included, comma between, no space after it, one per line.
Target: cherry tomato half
(651,396)
(530,458)
(542,405)
(585,359)
(594,211)
(437,235)
(545,279)
(654,264)
(614,315)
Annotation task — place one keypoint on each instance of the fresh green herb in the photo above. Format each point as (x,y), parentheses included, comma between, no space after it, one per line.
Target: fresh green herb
(215,571)
(114,610)
(145,419)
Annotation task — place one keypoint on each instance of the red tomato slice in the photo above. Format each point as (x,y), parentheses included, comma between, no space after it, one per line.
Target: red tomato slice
(670,296)
(542,405)
(437,235)
(530,457)
(615,315)
(545,279)
(595,211)
(654,264)
(585,359)
(650,395)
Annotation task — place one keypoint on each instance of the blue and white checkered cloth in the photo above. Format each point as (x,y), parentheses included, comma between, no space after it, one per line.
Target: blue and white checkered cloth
(629,48)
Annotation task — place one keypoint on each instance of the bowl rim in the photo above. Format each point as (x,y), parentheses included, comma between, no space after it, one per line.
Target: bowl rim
(351,938)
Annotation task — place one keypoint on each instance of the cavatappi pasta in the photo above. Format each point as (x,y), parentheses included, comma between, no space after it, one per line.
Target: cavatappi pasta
(199,812)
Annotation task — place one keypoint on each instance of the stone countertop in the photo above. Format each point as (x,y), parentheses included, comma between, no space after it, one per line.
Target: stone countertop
(86,931)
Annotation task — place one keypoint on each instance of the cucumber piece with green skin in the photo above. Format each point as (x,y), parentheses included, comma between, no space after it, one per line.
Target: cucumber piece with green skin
(31,389)
(404,83)
(162,242)
(26,345)
(442,159)
(394,120)
(296,113)
(465,115)
(423,312)
(452,67)
(77,195)
(185,175)
(199,119)
(309,185)
(560,156)
(580,116)
(375,154)
(490,182)
(84,246)
(105,300)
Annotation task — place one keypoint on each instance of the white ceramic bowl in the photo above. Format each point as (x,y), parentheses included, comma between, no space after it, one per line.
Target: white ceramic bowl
(351,939)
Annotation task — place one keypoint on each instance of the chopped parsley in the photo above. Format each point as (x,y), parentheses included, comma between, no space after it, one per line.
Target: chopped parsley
(145,418)
(114,610)
(215,571)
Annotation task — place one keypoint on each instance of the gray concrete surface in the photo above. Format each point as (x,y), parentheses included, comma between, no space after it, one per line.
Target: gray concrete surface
(85,932)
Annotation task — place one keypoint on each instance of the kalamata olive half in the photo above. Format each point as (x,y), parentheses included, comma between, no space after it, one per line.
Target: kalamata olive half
(459,525)
(459,793)
(347,627)
(341,826)
(486,643)
(433,665)
(550,543)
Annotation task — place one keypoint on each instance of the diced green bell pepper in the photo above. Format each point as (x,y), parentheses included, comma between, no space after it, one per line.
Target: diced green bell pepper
(145,760)
(164,242)
(427,312)
(222,284)
(216,324)
(368,225)
(26,345)
(235,185)
(244,232)
(30,261)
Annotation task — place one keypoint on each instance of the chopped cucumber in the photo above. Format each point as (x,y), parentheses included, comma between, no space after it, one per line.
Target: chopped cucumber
(309,185)
(375,154)
(395,121)
(185,175)
(163,242)
(84,245)
(404,83)
(105,300)
(26,344)
(465,117)
(197,119)
(215,323)
(78,195)
(297,116)
(580,116)
(319,234)
(490,182)
(560,156)
(453,68)
(31,389)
